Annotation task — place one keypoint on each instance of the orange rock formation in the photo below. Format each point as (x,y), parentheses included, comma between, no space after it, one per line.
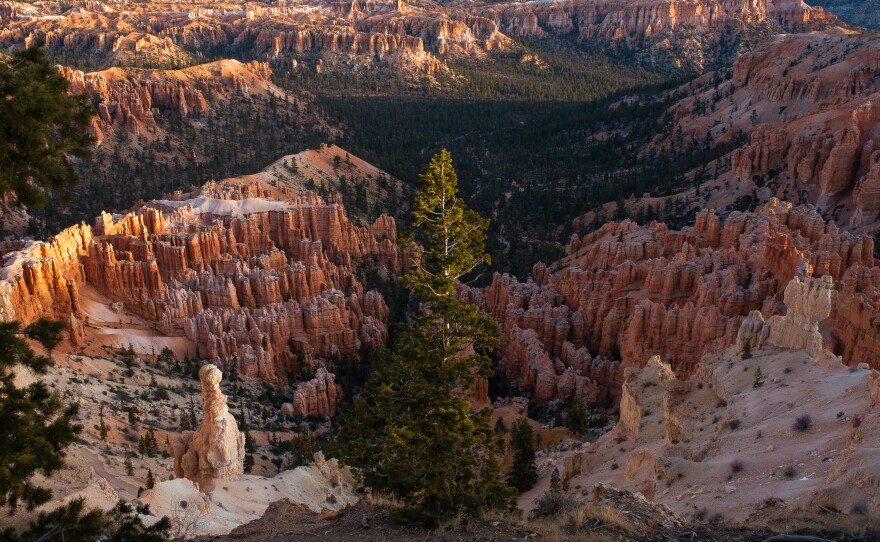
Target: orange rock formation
(242,270)
(809,106)
(625,293)
(383,30)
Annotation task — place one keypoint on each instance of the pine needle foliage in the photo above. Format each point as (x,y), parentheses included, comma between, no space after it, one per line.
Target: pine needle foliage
(450,237)
(412,435)
(72,523)
(524,472)
(41,126)
(37,425)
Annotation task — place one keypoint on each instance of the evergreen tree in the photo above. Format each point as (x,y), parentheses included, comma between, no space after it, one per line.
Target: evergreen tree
(555,484)
(151,482)
(409,411)
(192,412)
(40,126)
(47,332)
(577,417)
(451,237)
(71,523)
(167,358)
(37,426)
(102,427)
(524,473)
(129,356)
(153,444)
(147,445)
(233,369)
(759,378)
(129,468)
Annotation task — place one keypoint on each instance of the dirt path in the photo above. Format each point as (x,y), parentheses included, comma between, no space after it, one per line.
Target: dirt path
(125,488)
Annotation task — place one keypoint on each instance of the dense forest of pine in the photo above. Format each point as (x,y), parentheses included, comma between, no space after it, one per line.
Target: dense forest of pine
(527,135)
(517,159)
(238,136)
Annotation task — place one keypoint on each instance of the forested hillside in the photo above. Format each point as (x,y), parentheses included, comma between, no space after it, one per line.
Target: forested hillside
(858,12)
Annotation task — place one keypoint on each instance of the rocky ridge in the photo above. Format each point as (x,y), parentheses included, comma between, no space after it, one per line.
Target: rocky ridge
(129,100)
(762,439)
(808,302)
(416,37)
(857,12)
(807,107)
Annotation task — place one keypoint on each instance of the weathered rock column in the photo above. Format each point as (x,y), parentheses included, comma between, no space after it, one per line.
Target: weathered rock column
(216,449)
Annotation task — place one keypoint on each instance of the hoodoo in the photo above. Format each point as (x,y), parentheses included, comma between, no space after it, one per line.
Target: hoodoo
(215,451)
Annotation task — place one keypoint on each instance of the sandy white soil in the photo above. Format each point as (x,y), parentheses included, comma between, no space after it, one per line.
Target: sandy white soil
(727,421)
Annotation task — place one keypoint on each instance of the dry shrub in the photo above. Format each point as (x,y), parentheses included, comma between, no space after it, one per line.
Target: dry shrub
(552,504)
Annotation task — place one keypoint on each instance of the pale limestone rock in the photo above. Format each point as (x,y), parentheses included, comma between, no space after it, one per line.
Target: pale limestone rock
(318,397)
(630,409)
(675,391)
(808,301)
(752,332)
(216,449)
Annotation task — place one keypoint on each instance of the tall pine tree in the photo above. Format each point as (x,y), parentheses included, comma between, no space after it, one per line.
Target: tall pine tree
(411,434)
(524,472)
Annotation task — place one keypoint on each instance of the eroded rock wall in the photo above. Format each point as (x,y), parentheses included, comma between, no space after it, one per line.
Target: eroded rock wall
(241,269)
(625,293)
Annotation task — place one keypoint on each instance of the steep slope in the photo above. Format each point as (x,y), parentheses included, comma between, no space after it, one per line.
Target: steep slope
(857,12)
(366,191)
(764,427)
(131,99)
(169,130)
(807,108)
(717,444)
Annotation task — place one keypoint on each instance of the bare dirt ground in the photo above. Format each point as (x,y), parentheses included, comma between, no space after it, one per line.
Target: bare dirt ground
(285,522)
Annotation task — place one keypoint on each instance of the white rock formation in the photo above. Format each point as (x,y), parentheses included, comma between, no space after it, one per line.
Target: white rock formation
(216,449)
(319,396)
(808,301)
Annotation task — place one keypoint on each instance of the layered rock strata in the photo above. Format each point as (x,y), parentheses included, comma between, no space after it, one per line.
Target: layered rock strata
(414,36)
(808,302)
(240,268)
(856,314)
(808,108)
(730,435)
(317,397)
(130,100)
(42,278)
